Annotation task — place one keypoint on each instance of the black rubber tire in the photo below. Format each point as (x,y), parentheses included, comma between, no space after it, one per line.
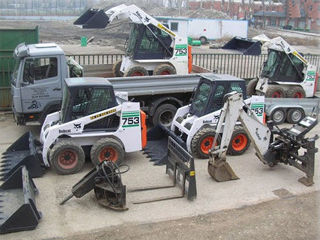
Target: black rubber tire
(198,138)
(296,92)
(235,152)
(272,91)
(164,115)
(295,115)
(107,143)
(64,145)
(251,87)
(136,71)
(278,116)
(164,68)
(116,69)
(203,40)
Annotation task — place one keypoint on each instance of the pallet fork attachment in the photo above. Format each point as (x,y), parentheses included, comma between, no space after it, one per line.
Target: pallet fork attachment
(180,168)
(18,210)
(23,152)
(105,180)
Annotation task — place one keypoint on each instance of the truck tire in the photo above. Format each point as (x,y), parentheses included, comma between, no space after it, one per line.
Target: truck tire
(296,92)
(164,69)
(203,40)
(116,69)
(164,115)
(251,87)
(278,116)
(136,71)
(66,157)
(275,92)
(295,115)
(239,143)
(107,149)
(202,142)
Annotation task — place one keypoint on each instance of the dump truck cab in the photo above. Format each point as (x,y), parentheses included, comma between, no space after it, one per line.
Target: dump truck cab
(36,84)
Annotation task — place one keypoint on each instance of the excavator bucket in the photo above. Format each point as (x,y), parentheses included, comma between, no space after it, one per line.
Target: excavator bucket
(244,45)
(219,169)
(18,210)
(22,152)
(93,18)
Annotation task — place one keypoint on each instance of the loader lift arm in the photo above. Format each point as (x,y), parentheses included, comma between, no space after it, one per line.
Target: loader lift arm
(272,145)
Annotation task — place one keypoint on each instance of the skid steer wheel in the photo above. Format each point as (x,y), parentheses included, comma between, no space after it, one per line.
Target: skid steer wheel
(116,68)
(164,115)
(296,92)
(202,142)
(136,71)
(251,87)
(66,157)
(275,92)
(295,115)
(107,149)
(164,69)
(239,143)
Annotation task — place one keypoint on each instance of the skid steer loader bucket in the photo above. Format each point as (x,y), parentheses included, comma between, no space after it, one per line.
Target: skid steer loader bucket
(23,152)
(18,211)
(93,18)
(244,45)
(157,144)
(180,168)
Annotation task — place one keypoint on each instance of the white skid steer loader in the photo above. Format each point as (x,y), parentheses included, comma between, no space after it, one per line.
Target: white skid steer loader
(151,48)
(90,119)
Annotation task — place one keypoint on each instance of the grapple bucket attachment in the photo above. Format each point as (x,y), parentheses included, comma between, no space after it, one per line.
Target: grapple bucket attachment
(18,211)
(157,144)
(244,45)
(93,18)
(219,169)
(23,152)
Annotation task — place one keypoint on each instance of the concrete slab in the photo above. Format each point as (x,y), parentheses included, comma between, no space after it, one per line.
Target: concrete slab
(258,183)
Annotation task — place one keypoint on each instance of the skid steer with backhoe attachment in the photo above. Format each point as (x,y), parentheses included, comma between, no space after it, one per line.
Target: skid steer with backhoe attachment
(92,119)
(272,144)
(193,126)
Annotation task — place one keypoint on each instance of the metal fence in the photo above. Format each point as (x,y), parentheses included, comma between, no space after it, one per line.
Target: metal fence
(235,64)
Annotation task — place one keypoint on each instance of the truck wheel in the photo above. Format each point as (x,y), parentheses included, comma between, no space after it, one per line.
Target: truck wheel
(136,71)
(164,115)
(275,92)
(203,40)
(107,149)
(278,116)
(296,92)
(239,143)
(116,69)
(164,69)
(251,87)
(295,115)
(66,157)
(202,142)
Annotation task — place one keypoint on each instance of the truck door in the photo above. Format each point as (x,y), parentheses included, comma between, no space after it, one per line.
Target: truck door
(41,84)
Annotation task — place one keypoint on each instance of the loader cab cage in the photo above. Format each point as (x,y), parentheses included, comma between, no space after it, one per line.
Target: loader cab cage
(210,93)
(148,42)
(281,67)
(85,99)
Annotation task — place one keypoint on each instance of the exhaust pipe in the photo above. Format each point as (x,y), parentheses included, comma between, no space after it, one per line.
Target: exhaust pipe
(24,151)
(17,203)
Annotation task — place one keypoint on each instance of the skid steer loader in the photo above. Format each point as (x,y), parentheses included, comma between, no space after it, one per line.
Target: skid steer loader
(151,48)
(272,144)
(90,120)
(285,73)
(193,125)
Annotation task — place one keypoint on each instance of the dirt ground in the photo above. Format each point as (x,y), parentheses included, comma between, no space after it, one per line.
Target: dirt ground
(287,218)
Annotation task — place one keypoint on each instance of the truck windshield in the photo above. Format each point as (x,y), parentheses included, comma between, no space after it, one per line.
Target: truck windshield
(15,71)
(271,64)
(201,99)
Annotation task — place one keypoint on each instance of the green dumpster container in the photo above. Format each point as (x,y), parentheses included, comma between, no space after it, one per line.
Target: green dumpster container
(9,39)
